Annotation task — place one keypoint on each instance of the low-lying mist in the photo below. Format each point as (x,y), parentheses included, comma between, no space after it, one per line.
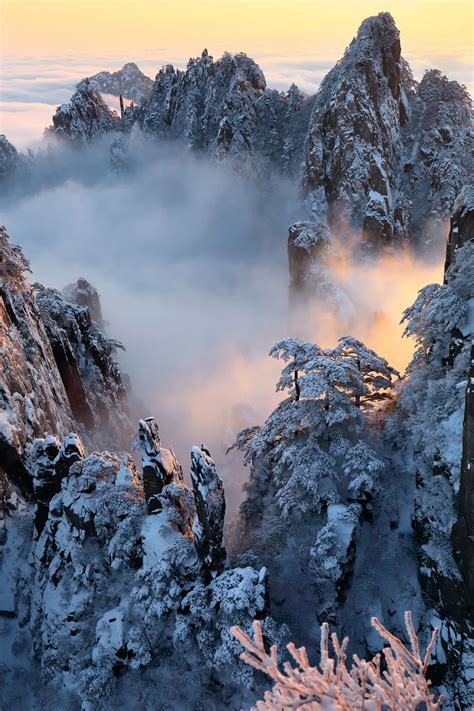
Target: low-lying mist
(190,260)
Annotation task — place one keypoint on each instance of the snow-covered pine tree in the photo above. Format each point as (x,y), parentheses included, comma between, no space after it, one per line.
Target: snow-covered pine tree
(315,464)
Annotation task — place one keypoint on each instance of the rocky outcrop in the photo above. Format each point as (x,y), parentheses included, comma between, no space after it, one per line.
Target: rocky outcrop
(353,147)
(436,160)
(85,118)
(463,529)
(461,229)
(58,373)
(117,596)
(462,234)
(128,81)
(374,151)
(308,249)
(10,159)
(208,526)
(83,293)
(33,399)
(160,467)
(224,108)
(384,154)
(90,374)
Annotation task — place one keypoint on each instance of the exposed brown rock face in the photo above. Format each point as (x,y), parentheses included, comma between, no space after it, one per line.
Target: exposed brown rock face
(58,372)
(32,396)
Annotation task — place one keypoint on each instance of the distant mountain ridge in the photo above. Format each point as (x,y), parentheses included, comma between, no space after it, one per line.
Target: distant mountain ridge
(128,81)
(373,150)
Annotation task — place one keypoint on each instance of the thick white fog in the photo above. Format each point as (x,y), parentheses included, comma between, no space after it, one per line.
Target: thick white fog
(190,261)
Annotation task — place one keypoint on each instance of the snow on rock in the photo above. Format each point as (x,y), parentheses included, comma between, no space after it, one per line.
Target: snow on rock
(89,371)
(33,400)
(224,108)
(436,408)
(208,527)
(83,293)
(309,245)
(352,148)
(128,81)
(10,160)
(84,118)
(386,153)
(160,466)
(461,231)
(373,149)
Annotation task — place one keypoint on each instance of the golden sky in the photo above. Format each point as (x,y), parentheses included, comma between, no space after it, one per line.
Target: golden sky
(52,27)
(47,46)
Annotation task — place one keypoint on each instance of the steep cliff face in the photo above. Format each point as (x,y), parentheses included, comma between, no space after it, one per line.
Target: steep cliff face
(86,364)
(84,118)
(58,371)
(373,150)
(209,103)
(461,230)
(434,419)
(32,396)
(353,147)
(128,81)
(461,239)
(437,151)
(10,159)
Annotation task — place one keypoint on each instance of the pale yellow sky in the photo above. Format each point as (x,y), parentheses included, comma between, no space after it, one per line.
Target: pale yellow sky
(53,27)
(47,46)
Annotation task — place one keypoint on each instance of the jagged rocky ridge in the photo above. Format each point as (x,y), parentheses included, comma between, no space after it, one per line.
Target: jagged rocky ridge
(128,582)
(58,371)
(374,151)
(128,82)
(84,118)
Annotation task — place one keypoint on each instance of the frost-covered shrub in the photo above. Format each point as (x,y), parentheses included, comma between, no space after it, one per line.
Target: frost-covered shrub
(333,685)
